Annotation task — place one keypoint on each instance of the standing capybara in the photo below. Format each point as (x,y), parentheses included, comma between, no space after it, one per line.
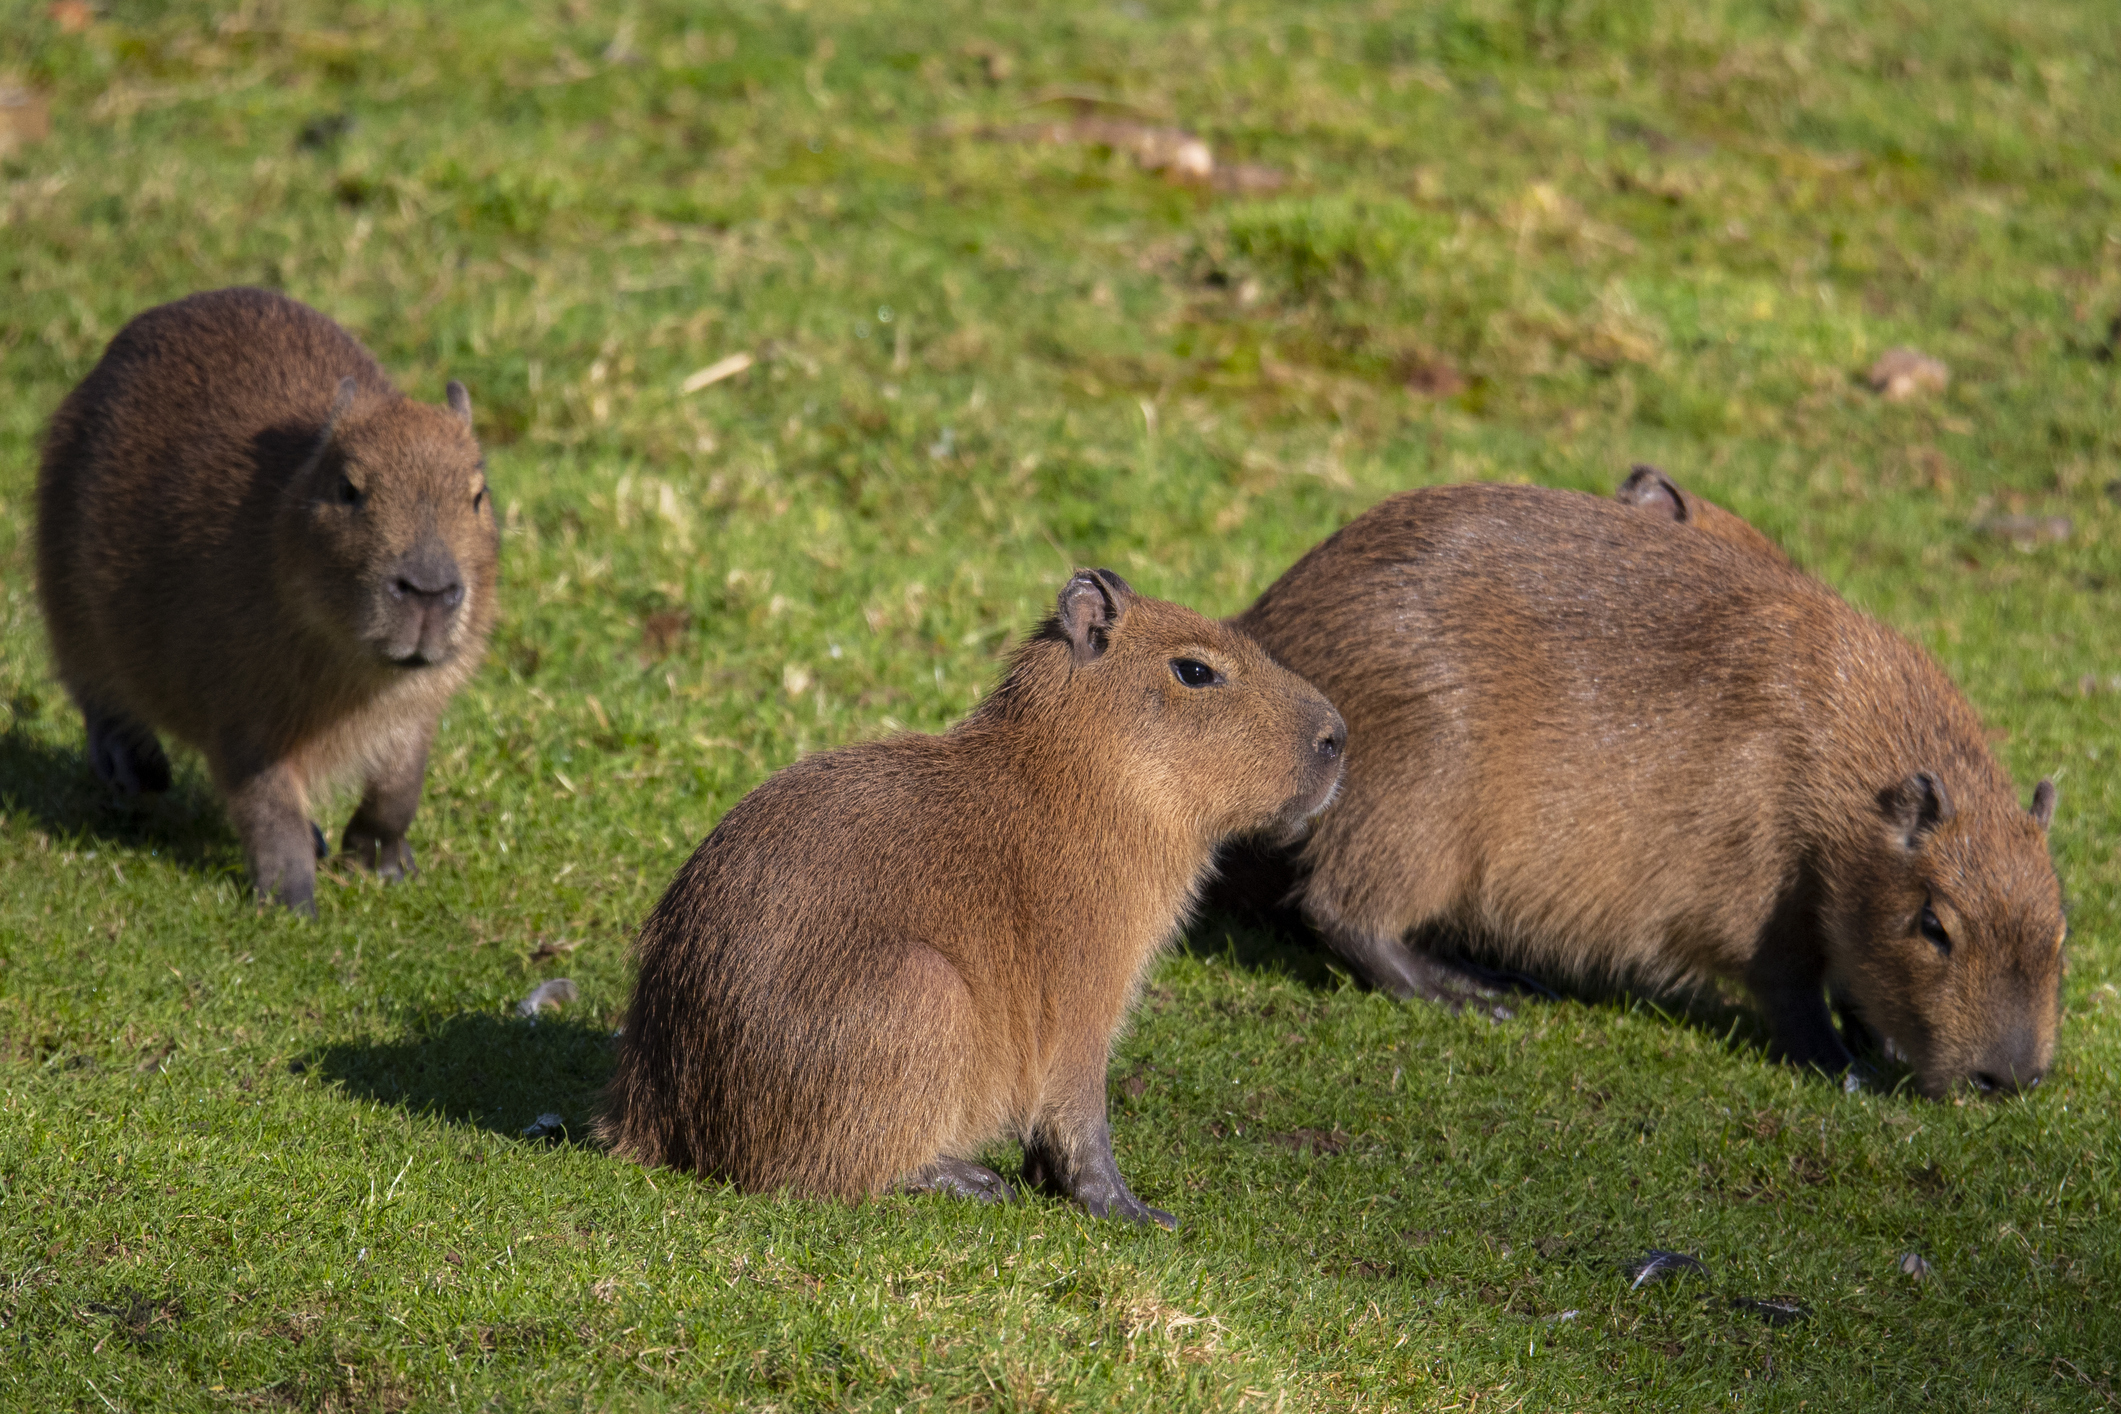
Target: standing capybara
(247,538)
(1648,489)
(1591,745)
(890,954)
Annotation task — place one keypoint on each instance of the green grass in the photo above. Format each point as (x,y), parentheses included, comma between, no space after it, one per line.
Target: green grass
(248,1162)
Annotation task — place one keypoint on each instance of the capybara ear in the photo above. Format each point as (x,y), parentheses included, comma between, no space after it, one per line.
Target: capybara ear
(1090,607)
(1916,806)
(460,402)
(339,404)
(2043,811)
(1652,490)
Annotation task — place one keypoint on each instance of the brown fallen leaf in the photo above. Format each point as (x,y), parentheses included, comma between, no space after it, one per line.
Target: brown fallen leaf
(662,631)
(2026,531)
(1248,179)
(552,948)
(1902,373)
(1431,377)
(71,16)
(25,117)
(1313,1141)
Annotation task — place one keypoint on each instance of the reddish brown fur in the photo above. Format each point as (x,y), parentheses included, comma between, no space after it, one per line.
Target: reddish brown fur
(1648,489)
(889,954)
(249,539)
(1599,747)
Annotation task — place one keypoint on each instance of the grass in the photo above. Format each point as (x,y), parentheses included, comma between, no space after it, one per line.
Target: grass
(247,1162)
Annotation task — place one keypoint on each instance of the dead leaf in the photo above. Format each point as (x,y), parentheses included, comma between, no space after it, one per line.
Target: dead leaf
(1313,1141)
(71,16)
(2027,531)
(1902,373)
(1179,155)
(1431,376)
(662,631)
(552,948)
(25,117)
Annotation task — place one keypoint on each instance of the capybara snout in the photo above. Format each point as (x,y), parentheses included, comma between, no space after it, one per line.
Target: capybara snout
(395,537)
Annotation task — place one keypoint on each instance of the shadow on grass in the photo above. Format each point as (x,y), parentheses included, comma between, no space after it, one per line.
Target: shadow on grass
(481,1070)
(53,785)
(1244,924)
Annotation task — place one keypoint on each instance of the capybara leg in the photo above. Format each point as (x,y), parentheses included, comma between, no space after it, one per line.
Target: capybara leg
(1389,965)
(1800,1026)
(270,816)
(1070,1153)
(125,754)
(958,1178)
(375,837)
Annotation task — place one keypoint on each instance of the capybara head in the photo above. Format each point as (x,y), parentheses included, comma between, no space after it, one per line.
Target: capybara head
(388,533)
(1958,930)
(1210,729)
(1648,489)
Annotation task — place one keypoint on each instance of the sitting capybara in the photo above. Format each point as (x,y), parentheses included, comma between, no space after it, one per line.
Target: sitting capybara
(890,954)
(249,539)
(1592,745)
(1649,489)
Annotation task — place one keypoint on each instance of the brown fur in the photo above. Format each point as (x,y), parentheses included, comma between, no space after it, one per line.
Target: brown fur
(1648,489)
(248,539)
(1598,747)
(889,954)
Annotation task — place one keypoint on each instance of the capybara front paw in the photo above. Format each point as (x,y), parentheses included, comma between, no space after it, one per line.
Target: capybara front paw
(388,860)
(1448,984)
(1114,1201)
(959,1179)
(127,758)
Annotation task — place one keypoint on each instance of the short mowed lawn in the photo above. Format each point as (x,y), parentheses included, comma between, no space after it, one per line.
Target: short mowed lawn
(248,1161)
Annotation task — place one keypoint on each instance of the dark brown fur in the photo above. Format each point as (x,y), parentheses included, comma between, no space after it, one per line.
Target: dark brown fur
(1599,747)
(248,539)
(1648,489)
(889,954)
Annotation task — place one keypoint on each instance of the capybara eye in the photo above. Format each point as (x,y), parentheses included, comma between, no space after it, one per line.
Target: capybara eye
(1934,931)
(349,494)
(1194,673)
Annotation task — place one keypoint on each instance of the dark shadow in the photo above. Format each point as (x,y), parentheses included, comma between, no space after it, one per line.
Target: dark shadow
(1245,923)
(480,1069)
(53,786)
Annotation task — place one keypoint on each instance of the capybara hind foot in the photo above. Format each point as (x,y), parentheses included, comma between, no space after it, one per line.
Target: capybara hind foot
(959,1179)
(388,860)
(126,755)
(1389,965)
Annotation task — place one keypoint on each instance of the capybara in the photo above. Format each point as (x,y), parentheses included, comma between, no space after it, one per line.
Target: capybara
(1591,745)
(1649,489)
(890,954)
(249,539)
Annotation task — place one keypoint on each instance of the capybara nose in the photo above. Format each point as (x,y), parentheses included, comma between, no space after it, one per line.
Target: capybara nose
(429,580)
(2011,1067)
(1331,738)
(2004,1083)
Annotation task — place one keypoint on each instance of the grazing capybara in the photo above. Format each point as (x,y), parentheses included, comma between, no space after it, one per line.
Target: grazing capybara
(1591,745)
(247,538)
(1649,489)
(890,954)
